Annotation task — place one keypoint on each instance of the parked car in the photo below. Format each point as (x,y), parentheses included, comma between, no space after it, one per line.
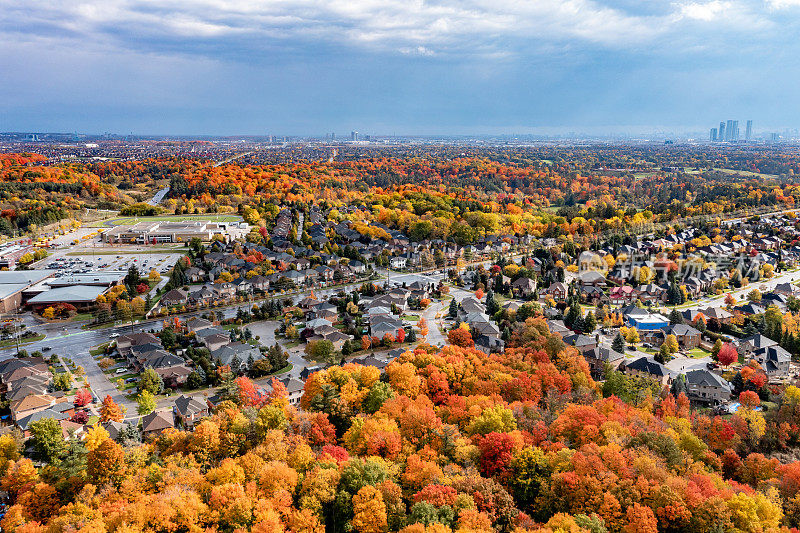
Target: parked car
(46,349)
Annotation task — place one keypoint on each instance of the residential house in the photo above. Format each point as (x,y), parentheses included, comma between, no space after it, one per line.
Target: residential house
(652,293)
(592,278)
(583,343)
(383,326)
(489,344)
(623,295)
(294,389)
(156,422)
(398,262)
(25,422)
(114,428)
(648,368)
(718,313)
(749,345)
(600,356)
(188,410)
(558,291)
(196,324)
(325,311)
(706,387)
(592,294)
(124,342)
(774,360)
(174,297)
(30,404)
(523,287)
(236,351)
(687,336)
(174,376)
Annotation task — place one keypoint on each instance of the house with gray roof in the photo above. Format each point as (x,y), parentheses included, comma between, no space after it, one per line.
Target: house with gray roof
(236,350)
(706,387)
(774,360)
(188,410)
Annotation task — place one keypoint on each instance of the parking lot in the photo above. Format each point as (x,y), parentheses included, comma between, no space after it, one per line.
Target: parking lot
(67,265)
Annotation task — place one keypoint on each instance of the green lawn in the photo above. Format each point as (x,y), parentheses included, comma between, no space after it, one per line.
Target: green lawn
(22,340)
(99,350)
(127,386)
(412,318)
(172,218)
(283,370)
(697,353)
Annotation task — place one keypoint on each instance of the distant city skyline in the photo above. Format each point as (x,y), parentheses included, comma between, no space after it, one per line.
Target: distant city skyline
(600,132)
(228,67)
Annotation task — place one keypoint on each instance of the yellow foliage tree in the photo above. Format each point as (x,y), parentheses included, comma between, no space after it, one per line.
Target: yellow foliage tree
(369,511)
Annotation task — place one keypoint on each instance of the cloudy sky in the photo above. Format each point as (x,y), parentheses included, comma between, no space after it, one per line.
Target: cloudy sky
(396,66)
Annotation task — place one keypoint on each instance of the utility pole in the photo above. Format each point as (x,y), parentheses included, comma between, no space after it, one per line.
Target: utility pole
(14,322)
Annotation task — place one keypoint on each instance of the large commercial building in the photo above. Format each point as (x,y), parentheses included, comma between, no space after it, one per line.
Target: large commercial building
(748,132)
(80,290)
(14,283)
(10,254)
(156,232)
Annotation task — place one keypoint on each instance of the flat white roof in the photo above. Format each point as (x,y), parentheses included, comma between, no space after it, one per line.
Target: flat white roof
(75,293)
(24,276)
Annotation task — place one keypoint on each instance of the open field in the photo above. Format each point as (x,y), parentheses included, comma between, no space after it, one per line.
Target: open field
(746,173)
(167,218)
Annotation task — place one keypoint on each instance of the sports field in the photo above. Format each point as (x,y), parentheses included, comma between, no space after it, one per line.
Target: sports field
(171,218)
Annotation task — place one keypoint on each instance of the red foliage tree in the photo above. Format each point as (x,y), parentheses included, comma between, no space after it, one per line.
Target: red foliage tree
(460,337)
(749,399)
(83,397)
(727,354)
(336,452)
(249,395)
(759,379)
(496,454)
(437,495)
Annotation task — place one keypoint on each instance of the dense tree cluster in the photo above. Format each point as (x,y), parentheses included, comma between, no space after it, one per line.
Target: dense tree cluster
(447,439)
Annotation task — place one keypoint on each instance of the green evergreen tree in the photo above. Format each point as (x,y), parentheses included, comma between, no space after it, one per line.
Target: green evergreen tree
(619,344)
(589,322)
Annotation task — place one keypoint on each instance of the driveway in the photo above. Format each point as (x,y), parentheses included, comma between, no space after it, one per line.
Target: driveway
(687,364)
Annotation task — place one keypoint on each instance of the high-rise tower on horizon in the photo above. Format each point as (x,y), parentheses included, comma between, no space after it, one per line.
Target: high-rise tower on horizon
(748,131)
(721,132)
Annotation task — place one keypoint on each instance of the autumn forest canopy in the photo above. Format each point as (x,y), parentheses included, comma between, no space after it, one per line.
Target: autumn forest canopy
(456,195)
